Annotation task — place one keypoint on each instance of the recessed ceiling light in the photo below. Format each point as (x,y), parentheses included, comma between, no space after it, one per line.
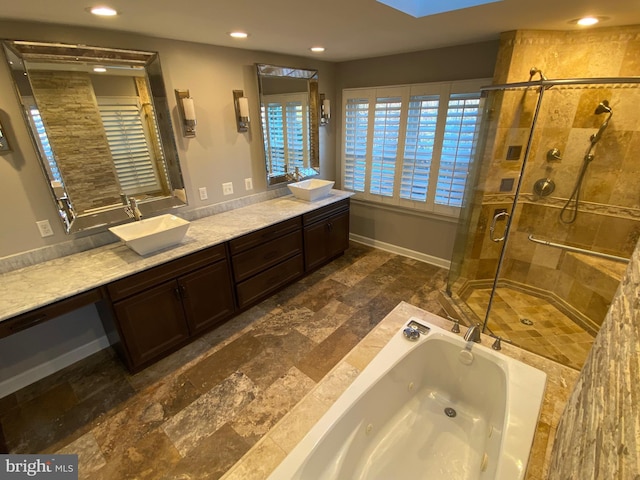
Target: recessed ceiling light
(99,69)
(239,34)
(588,21)
(317,49)
(103,11)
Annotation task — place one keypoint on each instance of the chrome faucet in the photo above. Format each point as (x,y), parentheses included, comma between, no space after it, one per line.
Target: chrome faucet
(296,176)
(131,207)
(133,204)
(473,334)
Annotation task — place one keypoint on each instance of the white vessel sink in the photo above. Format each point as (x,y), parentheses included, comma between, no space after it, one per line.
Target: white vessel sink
(151,234)
(312,189)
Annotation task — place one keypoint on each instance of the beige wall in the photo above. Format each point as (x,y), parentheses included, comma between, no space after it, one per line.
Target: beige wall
(429,236)
(218,153)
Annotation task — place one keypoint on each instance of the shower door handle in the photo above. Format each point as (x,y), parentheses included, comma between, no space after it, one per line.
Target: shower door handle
(492,228)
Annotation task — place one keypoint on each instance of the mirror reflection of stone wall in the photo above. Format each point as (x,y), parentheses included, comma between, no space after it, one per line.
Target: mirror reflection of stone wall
(77,137)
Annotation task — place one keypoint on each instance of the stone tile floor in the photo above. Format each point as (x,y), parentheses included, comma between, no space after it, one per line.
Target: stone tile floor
(195,413)
(551,333)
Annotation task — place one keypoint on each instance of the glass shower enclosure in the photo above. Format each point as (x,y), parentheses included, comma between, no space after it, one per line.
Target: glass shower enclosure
(551,212)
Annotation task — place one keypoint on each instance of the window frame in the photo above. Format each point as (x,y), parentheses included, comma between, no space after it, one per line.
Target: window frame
(443,90)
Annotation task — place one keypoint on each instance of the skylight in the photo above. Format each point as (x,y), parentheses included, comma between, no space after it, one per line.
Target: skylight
(423,8)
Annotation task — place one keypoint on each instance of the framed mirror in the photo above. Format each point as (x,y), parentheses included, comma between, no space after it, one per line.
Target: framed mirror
(289,118)
(99,119)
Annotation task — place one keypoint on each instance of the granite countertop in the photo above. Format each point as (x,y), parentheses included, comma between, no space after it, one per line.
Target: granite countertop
(32,287)
(274,446)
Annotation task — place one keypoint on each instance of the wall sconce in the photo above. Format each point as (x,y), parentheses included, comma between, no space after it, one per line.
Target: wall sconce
(4,143)
(325,110)
(241,104)
(187,111)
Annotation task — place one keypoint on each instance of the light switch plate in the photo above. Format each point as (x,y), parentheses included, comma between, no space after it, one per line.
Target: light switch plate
(248,184)
(203,193)
(227,188)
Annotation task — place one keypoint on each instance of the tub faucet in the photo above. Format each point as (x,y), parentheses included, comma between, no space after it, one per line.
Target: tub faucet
(473,334)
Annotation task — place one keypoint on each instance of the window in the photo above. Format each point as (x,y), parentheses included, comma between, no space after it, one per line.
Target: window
(43,143)
(127,138)
(411,146)
(286,138)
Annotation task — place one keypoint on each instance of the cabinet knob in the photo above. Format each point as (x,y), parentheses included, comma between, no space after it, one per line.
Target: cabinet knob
(177,293)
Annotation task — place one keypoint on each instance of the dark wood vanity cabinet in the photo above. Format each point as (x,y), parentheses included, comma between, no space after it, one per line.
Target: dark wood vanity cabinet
(326,234)
(160,309)
(266,260)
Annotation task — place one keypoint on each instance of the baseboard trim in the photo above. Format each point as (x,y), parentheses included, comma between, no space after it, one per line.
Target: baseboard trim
(405,252)
(43,370)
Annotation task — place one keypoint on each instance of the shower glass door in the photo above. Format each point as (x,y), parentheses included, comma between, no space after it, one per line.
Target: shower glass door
(489,200)
(572,210)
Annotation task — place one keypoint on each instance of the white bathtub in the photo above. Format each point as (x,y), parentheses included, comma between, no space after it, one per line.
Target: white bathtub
(391,422)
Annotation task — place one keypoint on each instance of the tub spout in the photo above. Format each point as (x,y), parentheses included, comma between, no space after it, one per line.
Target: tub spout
(473,334)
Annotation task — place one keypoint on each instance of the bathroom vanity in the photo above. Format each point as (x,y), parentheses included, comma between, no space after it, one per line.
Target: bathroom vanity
(153,305)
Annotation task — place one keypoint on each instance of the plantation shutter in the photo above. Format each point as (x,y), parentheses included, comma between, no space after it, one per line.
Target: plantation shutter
(355,143)
(43,140)
(295,128)
(275,137)
(420,140)
(458,147)
(386,128)
(128,144)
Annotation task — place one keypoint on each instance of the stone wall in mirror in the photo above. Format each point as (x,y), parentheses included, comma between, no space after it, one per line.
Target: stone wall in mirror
(100,122)
(289,118)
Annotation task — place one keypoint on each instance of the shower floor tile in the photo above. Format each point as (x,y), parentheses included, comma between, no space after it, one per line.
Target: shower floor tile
(552,334)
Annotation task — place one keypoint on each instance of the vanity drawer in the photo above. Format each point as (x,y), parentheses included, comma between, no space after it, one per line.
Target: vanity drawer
(141,281)
(254,260)
(267,282)
(250,240)
(39,315)
(325,212)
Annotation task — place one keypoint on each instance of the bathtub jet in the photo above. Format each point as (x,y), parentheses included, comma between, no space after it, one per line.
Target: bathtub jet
(419,411)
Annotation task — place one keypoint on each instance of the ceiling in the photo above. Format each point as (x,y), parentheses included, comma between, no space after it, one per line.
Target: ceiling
(348,29)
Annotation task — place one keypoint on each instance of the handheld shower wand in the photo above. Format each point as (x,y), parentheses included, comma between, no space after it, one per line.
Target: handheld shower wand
(603,107)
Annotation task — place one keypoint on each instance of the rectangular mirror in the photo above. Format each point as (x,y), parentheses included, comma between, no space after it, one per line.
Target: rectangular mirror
(289,118)
(99,119)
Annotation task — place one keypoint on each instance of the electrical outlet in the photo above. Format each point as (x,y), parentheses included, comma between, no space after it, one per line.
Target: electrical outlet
(227,188)
(45,228)
(248,184)
(203,193)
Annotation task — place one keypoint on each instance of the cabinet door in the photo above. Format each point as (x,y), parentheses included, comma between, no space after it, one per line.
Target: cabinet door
(207,295)
(152,323)
(325,240)
(339,234)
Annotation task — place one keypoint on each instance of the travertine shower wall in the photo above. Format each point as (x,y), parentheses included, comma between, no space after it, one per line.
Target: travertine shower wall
(609,216)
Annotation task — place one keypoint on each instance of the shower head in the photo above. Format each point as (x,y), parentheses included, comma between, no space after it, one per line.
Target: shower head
(603,107)
(533,71)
